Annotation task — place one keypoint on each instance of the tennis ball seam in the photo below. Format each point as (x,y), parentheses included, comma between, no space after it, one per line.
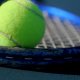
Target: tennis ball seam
(29,9)
(10,38)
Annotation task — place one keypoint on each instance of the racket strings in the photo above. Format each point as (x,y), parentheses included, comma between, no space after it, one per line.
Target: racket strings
(60,34)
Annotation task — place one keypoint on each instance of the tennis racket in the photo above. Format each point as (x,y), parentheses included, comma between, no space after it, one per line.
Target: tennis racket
(59,50)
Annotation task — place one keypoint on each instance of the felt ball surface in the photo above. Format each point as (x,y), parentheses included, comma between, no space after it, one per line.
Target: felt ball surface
(21,24)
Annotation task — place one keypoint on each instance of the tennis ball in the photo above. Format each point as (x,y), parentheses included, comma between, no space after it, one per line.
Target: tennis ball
(21,24)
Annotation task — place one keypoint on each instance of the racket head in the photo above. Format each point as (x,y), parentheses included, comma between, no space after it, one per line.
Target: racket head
(61,26)
(49,55)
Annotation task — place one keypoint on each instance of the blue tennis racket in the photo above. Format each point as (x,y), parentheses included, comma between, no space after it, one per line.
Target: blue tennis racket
(59,50)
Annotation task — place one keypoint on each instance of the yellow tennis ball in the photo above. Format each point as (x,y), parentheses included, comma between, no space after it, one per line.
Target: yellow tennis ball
(21,24)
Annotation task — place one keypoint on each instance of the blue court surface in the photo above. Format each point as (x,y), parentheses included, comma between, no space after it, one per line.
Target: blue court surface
(12,74)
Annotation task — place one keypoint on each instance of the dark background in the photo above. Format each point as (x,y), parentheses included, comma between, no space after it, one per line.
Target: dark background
(72,6)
